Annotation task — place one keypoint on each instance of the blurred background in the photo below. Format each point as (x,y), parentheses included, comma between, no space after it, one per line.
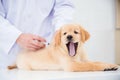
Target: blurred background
(102,20)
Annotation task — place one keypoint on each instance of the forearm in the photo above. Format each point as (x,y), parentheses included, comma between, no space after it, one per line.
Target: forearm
(8,35)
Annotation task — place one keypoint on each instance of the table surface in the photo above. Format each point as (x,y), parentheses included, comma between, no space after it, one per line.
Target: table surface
(57,75)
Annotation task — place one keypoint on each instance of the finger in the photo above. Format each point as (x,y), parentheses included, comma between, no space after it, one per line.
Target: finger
(42,45)
(38,44)
(32,47)
(35,43)
(39,38)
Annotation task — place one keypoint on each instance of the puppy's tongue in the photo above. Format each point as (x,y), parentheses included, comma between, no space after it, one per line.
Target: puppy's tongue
(71,49)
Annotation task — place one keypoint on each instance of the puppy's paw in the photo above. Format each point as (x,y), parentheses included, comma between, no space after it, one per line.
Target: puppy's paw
(105,67)
(111,67)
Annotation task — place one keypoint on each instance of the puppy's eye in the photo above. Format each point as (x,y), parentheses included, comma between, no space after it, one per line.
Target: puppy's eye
(75,32)
(65,33)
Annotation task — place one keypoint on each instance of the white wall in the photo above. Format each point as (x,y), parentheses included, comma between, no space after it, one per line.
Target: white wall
(98,17)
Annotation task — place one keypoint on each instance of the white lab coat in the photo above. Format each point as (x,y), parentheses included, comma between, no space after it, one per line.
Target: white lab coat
(40,17)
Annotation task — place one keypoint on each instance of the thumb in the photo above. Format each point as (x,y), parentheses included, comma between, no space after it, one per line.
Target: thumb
(38,38)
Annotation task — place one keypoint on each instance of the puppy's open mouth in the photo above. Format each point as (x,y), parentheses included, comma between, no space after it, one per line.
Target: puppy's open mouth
(72,48)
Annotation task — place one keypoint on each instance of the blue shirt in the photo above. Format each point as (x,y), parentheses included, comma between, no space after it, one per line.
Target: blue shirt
(40,17)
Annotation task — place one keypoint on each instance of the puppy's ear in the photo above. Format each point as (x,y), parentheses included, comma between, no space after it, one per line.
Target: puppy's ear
(84,35)
(57,38)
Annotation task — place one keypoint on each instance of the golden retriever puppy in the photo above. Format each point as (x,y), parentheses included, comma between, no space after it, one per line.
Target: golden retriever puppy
(65,52)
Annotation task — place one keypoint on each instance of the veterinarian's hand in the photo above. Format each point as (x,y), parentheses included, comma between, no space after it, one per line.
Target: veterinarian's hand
(30,41)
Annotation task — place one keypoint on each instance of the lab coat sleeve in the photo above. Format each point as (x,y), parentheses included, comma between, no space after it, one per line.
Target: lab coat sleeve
(62,13)
(8,33)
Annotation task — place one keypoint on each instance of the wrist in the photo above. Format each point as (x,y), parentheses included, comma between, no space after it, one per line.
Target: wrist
(19,37)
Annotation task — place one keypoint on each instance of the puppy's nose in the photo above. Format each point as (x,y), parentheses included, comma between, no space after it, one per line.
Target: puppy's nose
(69,37)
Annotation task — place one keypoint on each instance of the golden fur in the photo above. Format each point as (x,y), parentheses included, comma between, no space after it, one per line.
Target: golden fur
(57,57)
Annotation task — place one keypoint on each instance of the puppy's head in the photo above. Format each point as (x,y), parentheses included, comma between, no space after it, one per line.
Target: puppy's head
(70,36)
